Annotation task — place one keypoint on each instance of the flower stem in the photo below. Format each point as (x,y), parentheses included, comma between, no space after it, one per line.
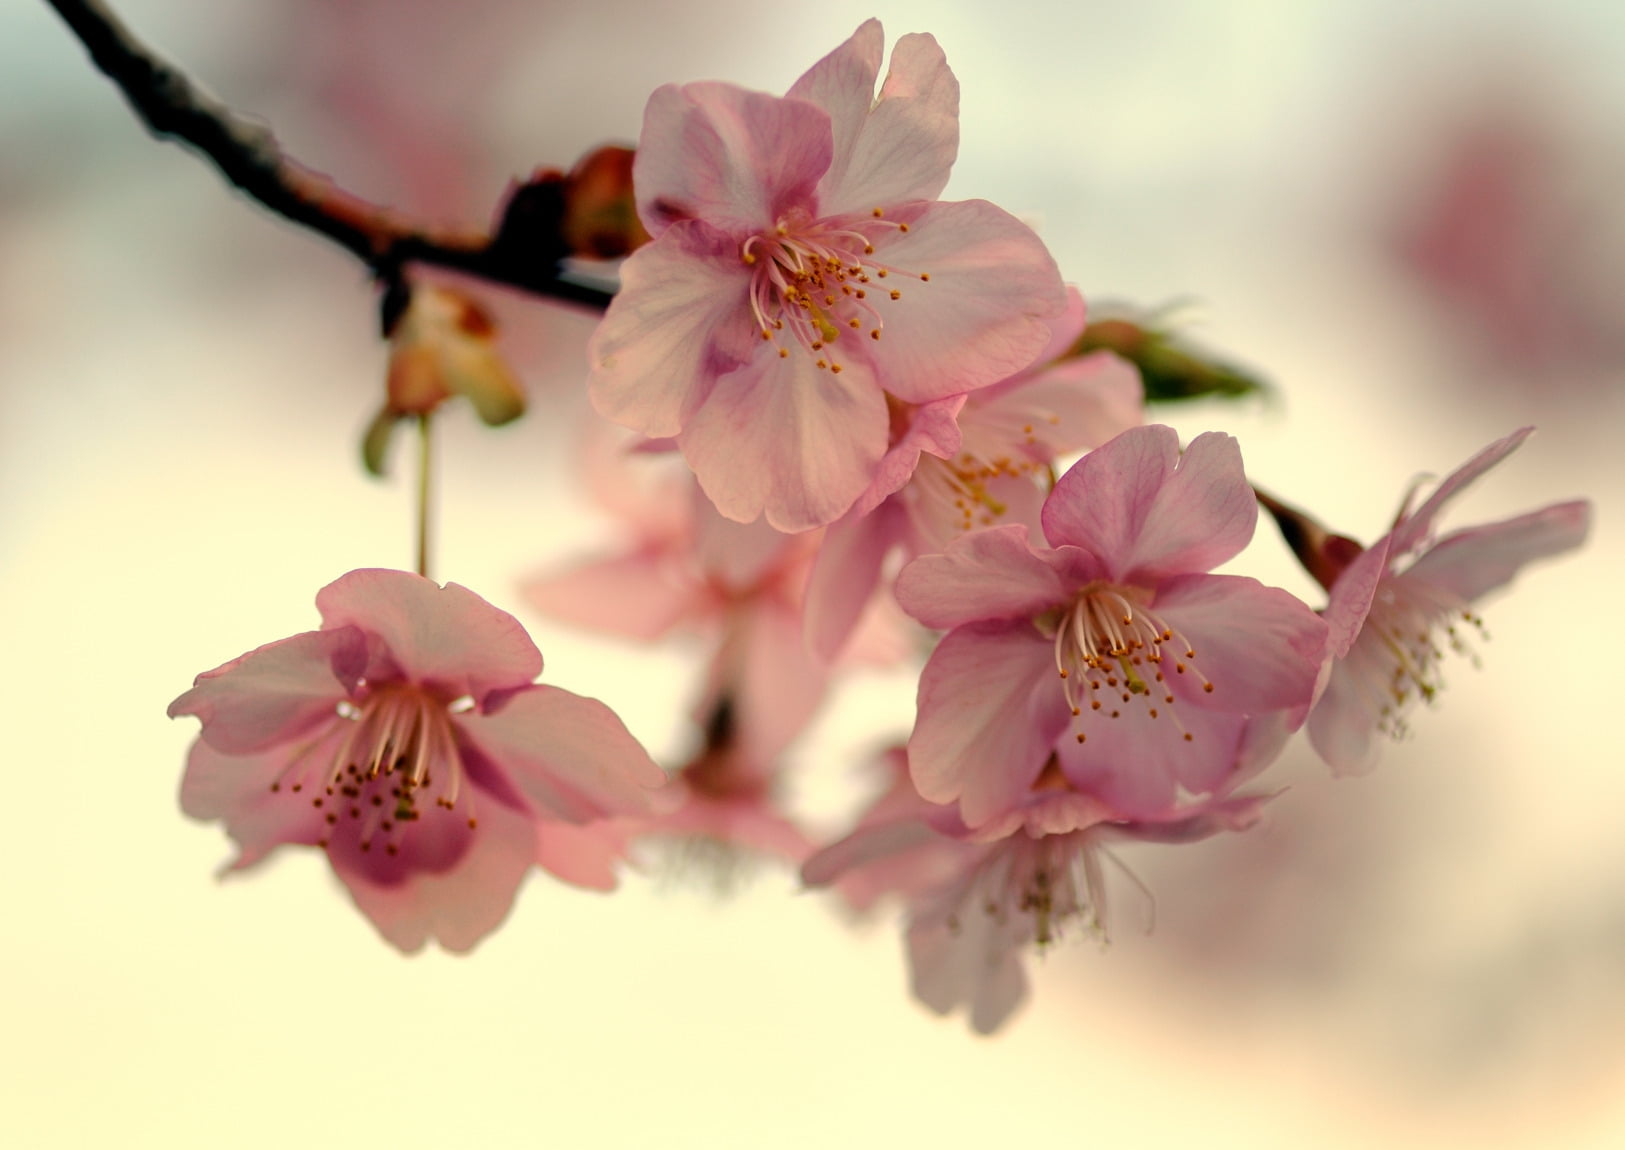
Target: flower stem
(424,460)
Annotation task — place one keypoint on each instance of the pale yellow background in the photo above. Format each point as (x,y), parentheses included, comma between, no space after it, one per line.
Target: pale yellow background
(1431,956)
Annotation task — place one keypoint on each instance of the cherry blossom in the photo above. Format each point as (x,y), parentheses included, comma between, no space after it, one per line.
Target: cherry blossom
(731,814)
(1395,606)
(683,569)
(802,271)
(408,739)
(1113,648)
(968,462)
(978,899)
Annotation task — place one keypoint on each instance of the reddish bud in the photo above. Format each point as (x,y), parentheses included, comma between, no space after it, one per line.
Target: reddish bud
(600,210)
(443,343)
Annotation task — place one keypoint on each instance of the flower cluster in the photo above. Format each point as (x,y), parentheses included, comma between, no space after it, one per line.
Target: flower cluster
(875,396)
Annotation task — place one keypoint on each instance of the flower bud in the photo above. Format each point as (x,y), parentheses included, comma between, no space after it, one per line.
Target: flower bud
(1170,368)
(442,344)
(600,210)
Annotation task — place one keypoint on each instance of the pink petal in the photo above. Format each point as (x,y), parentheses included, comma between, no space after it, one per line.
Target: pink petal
(446,637)
(980,317)
(933,427)
(1262,742)
(971,959)
(236,789)
(865,846)
(1078,403)
(739,556)
(1349,601)
(275,693)
(1137,764)
(1045,813)
(990,708)
(1416,527)
(645,492)
(639,596)
(899,147)
(1208,819)
(1478,560)
(1260,647)
(780,685)
(991,574)
(734,158)
(584,856)
(843,85)
(750,823)
(1149,512)
(846,575)
(1064,329)
(569,756)
(782,437)
(459,907)
(1343,725)
(681,319)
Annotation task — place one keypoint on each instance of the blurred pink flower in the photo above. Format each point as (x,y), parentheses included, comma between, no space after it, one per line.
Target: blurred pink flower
(967,462)
(1160,664)
(730,814)
(977,899)
(802,270)
(407,738)
(1393,604)
(1510,230)
(684,568)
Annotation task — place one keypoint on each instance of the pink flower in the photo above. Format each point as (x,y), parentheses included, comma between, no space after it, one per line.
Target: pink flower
(1394,604)
(730,814)
(978,899)
(802,270)
(968,462)
(407,738)
(1113,649)
(685,569)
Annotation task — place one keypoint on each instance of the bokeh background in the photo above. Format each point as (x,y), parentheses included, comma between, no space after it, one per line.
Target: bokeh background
(1411,217)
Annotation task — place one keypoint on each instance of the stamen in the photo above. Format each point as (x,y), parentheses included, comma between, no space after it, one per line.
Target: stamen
(392,744)
(1053,879)
(1108,640)
(1397,658)
(807,272)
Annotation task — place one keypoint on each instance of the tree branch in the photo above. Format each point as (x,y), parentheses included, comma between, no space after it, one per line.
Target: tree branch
(247,154)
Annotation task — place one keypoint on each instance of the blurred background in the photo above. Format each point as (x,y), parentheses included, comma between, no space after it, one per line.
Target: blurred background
(1411,218)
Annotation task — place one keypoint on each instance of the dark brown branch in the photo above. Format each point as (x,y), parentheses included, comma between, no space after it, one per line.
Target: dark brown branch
(247,154)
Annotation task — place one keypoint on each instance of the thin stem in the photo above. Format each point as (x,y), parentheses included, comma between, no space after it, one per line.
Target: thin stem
(425,490)
(248,155)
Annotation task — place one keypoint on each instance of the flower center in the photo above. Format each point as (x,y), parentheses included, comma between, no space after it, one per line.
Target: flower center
(1113,655)
(1402,637)
(1052,879)
(394,749)
(818,280)
(953,496)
